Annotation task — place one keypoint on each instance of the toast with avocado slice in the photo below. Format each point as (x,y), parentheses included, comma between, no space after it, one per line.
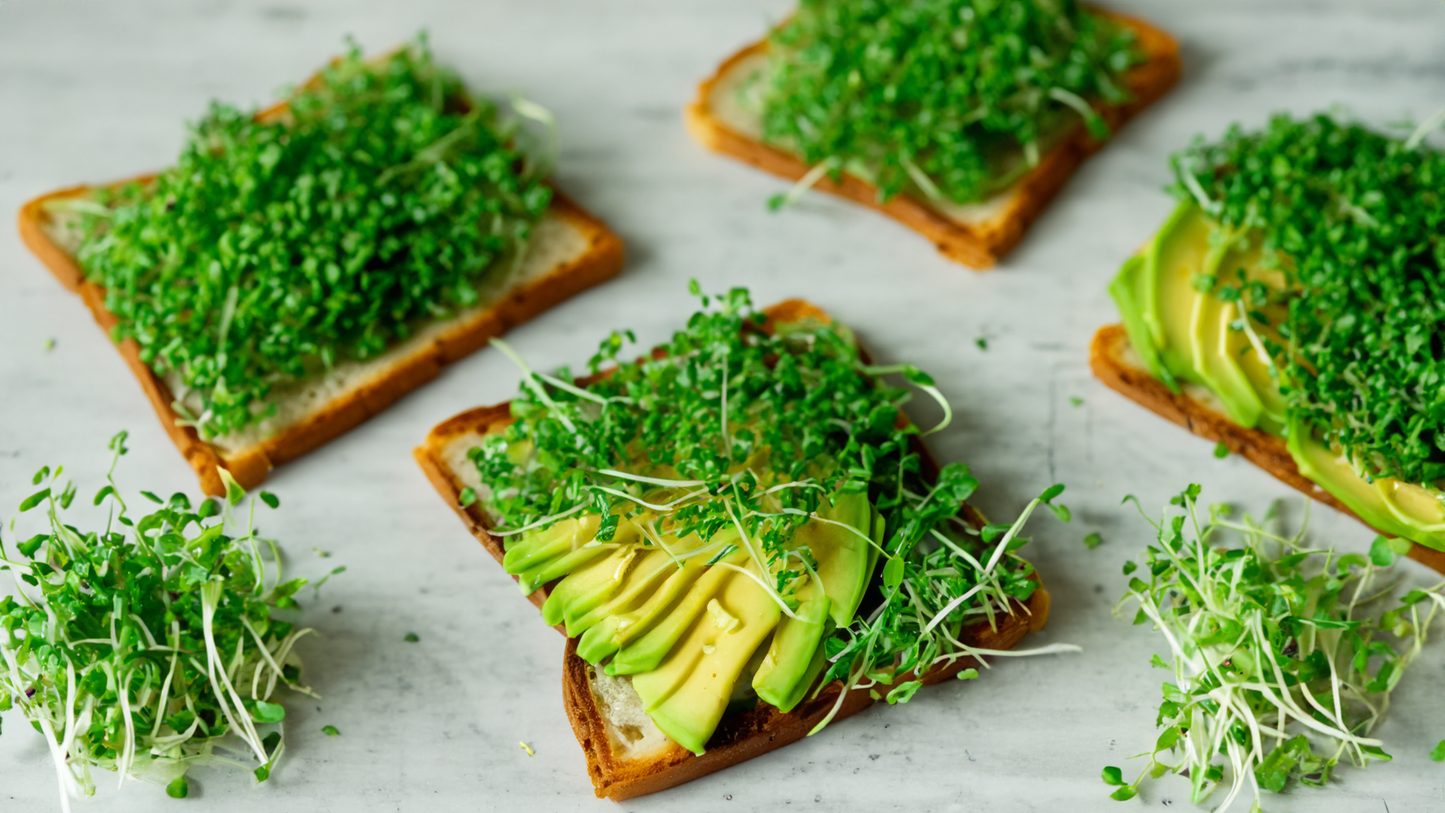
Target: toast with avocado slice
(1281,315)
(302,268)
(741,536)
(906,108)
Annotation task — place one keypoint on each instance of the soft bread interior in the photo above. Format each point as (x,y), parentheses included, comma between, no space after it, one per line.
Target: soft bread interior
(555,242)
(725,100)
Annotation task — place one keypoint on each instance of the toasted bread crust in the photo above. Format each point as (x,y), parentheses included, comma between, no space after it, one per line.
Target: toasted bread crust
(1110,365)
(742,735)
(249,466)
(978,246)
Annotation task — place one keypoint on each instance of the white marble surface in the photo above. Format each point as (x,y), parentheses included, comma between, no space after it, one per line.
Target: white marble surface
(91,91)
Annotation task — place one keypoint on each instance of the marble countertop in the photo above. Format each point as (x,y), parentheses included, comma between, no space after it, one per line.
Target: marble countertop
(93,90)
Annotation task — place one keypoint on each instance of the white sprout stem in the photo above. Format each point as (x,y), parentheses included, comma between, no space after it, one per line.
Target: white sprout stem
(808,180)
(992,563)
(543,521)
(761,565)
(531,380)
(240,721)
(1426,127)
(656,481)
(782,605)
(932,391)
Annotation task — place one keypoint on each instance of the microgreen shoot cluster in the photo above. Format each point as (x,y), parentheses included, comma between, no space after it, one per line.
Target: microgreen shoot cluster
(277,245)
(1352,218)
(735,430)
(150,646)
(1282,656)
(949,100)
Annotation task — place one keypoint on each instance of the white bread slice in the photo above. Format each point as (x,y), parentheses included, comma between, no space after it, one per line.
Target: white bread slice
(1115,362)
(568,252)
(976,235)
(627,755)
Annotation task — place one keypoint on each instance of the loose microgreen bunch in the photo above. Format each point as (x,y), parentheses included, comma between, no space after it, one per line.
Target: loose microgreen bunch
(937,97)
(742,425)
(1353,219)
(279,245)
(152,645)
(1283,657)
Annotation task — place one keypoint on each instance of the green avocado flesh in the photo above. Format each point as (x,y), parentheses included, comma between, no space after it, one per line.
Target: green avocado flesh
(693,636)
(1185,333)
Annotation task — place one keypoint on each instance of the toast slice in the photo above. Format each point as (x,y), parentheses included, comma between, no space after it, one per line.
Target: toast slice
(1116,363)
(627,755)
(976,235)
(569,252)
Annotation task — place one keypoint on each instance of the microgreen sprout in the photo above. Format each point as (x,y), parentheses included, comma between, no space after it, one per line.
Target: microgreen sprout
(279,246)
(1282,656)
(150,646)
(1348,217)
(736,431)
(949,99)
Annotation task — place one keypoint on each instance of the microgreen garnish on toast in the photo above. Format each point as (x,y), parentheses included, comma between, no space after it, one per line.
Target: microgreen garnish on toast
(383,195)
(951,100)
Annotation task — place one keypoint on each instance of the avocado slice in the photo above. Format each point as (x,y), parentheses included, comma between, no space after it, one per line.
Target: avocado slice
(688,692)
(1213,346)
(646,643)
(784,675)
(1179,251)
(645,573)
(1387,505)
(590,585)
(540,546)
(612,631)
(843,555)
(1126,289)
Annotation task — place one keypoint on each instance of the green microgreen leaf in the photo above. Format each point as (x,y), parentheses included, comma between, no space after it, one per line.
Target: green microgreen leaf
(1093,540)
(1221,451)
(277,247)
(1438,752)
(128,643)
(270,499)
(330,731)
(944,100)
(1348,217)
(1270,635)
(411,638)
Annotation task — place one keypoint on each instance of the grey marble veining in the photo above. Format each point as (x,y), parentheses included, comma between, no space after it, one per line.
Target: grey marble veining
(92,91)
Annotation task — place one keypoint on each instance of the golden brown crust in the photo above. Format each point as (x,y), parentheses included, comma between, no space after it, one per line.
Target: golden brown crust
(742,735)
(978,246)
(1108,360)
(249,466)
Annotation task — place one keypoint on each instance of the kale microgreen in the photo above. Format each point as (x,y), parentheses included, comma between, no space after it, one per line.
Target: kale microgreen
(1352,218)
(738,425)
(949,100)
(150,646)
(1283,656)
(277,246)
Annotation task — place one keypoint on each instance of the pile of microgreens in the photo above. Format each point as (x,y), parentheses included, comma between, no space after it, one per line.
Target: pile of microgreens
(1352,218)
(939,98)
(150,646)
(1283,656)
(278,245)
(744,426)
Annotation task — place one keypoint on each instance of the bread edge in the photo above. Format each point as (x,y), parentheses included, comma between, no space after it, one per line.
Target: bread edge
(978,247)
(741,736)
(250,466)
(1269,452)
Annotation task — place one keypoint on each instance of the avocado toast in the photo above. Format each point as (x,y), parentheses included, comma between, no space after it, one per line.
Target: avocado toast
(302,268)
(1287,310)
(732,531)
(959,119)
